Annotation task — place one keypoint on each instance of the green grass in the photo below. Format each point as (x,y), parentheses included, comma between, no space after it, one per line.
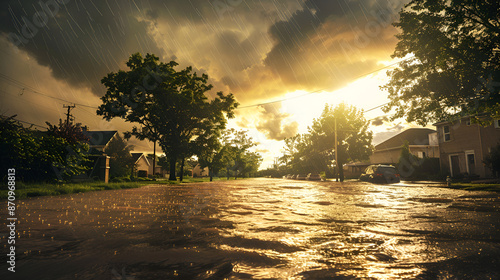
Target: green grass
(24,190)
(476,187)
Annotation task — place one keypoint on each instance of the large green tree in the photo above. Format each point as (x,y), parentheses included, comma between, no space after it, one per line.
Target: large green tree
(315,151)
(167,105)
(452,60)
(213,151)
(354,138)
(241,156)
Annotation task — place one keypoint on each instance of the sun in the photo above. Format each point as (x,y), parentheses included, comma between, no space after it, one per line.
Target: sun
(303,106)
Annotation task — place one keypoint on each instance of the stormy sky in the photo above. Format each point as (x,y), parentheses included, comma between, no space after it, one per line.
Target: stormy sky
(258,50)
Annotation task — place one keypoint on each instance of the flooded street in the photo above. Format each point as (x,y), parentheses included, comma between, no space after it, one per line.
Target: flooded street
(261,229)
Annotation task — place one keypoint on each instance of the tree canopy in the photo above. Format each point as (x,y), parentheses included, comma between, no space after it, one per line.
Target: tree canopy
(452,64)
(121,162)
(315,151)
(41,156)
(228,149)
(167,105)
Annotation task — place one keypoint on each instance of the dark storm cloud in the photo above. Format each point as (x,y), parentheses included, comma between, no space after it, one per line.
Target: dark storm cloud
(256,49)
(328,43)
(272,123)
(81,41)
(378,121)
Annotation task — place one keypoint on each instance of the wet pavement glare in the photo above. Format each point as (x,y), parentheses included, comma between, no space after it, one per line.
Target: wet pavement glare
(261,229)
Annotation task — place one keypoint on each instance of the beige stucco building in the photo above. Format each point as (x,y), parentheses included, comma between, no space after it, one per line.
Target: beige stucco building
(423,142)
(463,146)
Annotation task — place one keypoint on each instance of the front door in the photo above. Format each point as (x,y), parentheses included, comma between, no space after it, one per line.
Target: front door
(471,164)
(455,166)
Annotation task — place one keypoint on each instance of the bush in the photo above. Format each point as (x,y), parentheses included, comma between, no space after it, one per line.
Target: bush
(492,160)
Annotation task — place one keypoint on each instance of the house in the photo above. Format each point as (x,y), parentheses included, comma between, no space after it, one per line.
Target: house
(422,143)
(463,146)
(159,170)
(99,140)
(141,164)
(199,172)
(144,166)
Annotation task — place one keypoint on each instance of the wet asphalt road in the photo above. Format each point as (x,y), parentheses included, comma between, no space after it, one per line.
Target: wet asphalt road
(260,229)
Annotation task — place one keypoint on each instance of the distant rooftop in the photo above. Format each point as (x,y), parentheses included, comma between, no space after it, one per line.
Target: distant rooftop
(137,156)
(415,136)
(99,138)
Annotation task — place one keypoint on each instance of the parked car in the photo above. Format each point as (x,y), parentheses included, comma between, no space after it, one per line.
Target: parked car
(313,177)
(301,177)
(380,174)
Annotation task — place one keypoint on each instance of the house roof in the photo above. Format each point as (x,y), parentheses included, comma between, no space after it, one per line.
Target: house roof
(99,138)
(137,156)
(414,136)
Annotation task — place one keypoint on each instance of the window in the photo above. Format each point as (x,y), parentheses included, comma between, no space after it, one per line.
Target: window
(496,123)
(446,133)
(421,154)
(467,122)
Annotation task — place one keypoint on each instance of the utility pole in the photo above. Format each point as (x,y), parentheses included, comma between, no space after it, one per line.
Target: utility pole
(336,154)
(68,115)
(154,158)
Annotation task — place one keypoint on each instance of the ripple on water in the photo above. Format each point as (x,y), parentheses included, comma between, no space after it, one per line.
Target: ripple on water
(278,229)
(253,243)
(369,205)
(291,187)
(473,207)
(431,199)
(322,202)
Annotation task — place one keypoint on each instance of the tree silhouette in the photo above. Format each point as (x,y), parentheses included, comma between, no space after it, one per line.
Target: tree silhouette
(168,105)
(452,61)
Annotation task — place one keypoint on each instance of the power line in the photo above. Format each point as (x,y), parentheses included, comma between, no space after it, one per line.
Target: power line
(376,107)
(30,123)
(24,86)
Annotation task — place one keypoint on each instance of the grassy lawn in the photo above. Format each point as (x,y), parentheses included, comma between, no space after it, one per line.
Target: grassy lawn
(24,190)
(476,187)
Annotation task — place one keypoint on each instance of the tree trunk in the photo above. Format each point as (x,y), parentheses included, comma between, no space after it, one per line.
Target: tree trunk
(227,172)
(182,170)
(172,169)
(341,172)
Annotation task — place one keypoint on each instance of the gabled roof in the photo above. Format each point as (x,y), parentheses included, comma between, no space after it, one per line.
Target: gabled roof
(100,138)
(415,136)
(137,156)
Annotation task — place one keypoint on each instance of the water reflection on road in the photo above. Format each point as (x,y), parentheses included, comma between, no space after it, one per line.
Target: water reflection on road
(265,229)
